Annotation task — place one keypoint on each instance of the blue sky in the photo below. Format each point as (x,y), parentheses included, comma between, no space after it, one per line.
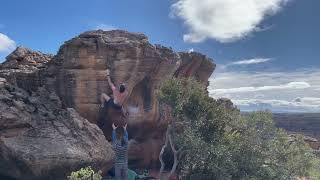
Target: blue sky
(267,51)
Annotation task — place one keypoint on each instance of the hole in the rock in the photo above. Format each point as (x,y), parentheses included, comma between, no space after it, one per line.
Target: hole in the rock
(141,95)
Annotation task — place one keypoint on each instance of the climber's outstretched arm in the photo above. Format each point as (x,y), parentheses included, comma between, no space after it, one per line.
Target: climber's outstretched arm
(125,137)
(125,133)
(114,133)
(109,80)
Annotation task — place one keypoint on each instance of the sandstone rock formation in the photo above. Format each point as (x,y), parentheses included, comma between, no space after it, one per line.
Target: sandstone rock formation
(24,59)
(40,140)
(196,65)
(77,74)
(22,66)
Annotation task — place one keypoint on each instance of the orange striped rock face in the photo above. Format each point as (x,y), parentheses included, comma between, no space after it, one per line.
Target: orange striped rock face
(79,77)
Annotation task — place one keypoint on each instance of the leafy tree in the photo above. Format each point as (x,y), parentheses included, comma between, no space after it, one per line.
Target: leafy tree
(215,142)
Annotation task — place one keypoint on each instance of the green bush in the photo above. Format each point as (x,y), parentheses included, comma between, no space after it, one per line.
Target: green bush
(315,171)
(86,173)
(221,143)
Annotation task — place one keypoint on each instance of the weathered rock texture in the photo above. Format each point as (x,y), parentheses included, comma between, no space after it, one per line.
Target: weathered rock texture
(22,67)
(78,71)
(24,59)
(195,65)
(77,74)
(40,140)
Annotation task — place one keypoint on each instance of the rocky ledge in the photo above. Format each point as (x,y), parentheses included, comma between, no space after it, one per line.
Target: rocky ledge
(41,140)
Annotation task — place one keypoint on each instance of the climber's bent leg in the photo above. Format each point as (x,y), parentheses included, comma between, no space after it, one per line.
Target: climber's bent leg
(104,98)
(110,103)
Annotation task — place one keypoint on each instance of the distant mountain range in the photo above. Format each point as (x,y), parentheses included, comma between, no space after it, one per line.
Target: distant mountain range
(304,123)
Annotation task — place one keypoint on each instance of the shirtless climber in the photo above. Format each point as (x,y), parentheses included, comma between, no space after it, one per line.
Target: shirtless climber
(119,95)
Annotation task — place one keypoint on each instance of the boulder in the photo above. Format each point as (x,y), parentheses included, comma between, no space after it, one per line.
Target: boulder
(22,67)
(78,75)
(195,65)
(24,59)
(41,140)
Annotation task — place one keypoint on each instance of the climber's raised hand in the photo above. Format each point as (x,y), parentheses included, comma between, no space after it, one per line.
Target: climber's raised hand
(113,126)
(109,80)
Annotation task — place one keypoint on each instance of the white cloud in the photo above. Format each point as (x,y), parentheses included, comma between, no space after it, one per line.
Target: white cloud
(308,100)
(191,50)
(278,91)
(283,103)
(223,20)
(251,61)
(6,44)
(244,62)
(278,105)
(105,27)
(291,85)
